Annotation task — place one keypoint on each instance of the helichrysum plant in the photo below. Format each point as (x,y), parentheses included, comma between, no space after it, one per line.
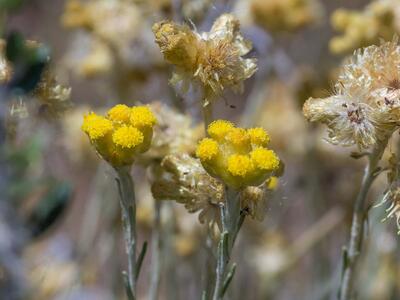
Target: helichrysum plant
(213,61)
(364,112)
(118,138)
(232,178)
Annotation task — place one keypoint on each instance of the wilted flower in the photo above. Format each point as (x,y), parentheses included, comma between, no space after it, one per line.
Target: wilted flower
(122,134)
(253,199)
(212,59)
(184,180)
(285,15)
(365,109)
(237,156)
(380,19)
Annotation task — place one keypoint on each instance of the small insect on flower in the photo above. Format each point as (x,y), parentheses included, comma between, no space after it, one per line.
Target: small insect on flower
(365,110)
(214,60)
(238,156)
(122,134)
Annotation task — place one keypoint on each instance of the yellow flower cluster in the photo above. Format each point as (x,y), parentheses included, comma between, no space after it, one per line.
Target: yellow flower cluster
(380,19)
(123,133)
(237,156)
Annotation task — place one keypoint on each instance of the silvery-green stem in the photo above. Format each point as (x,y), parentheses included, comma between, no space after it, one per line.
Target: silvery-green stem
(232,220)
(156,253)
(128,209)
(352,254)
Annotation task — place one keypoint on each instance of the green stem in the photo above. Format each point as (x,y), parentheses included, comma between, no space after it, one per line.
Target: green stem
(207,114)
(232,220)
(156,253)
(128,209)
(356,234)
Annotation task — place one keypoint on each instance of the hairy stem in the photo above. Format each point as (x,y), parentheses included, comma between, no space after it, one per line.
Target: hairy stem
(128,209)
(156,253)
(352,254)
(232,220)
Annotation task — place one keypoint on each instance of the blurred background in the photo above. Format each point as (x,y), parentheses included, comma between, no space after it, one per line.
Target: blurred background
(60,227)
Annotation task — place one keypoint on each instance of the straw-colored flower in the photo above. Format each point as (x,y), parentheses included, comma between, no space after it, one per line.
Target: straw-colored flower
(214,59)
(184,180)
(122,134)
(237,156)
(366,107)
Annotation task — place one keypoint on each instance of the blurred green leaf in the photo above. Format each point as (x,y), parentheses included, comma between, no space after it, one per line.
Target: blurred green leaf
(10,4)
(28,60)
(50,208)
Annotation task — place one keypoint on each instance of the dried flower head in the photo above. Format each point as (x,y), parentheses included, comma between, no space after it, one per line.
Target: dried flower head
(237,156)
(184,180)
(253,199)
(214,59)
(380,19)
(285,15)
(122,134)
(365,109)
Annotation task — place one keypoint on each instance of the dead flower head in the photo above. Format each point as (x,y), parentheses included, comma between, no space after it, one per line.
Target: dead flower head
(184,180)
(365,108)
(214,59)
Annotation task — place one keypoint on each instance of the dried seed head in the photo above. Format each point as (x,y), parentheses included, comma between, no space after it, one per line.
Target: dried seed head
(184,180)
(366,108)
(212,59)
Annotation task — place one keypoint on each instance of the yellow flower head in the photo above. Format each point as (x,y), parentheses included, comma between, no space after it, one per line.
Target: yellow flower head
(122,134)
(127,137)
(272,183)
(96,126)
(258,136)
(265,159)
(119,113)
(237,156)
(207,149)
(141,116)
(240,165)
(218,129)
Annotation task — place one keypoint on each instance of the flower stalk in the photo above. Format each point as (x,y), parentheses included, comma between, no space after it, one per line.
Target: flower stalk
(128,210)
(352,254)
(156,253)
(232,220)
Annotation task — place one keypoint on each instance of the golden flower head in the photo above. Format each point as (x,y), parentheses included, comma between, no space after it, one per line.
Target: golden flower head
(212,59)
(365,109)
(184,180)
(118,138)
(238,156)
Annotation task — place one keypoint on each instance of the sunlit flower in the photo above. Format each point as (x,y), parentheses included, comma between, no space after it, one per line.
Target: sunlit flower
(212,59)
(122,134)
(237,156)
(365,110)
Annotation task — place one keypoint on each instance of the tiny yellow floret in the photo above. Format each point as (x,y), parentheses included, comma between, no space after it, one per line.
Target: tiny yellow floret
(142,116)
(127,137)
(272,183)
(240,165)
(238,137)
(207,149)
(258,136)
(96,126)
(219,129)
(265,159)
(120,113)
